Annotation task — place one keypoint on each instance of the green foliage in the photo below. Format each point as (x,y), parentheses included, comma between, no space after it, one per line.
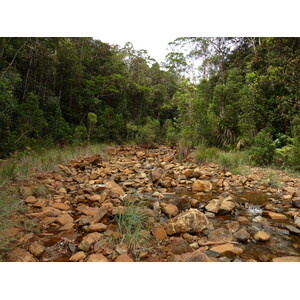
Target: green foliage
(150,133)
(204,154)
(263,150)
(80,134)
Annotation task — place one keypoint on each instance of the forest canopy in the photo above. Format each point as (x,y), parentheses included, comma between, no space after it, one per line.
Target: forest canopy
(216,92)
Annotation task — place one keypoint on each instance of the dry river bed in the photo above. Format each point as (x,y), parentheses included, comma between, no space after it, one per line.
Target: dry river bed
(197,212)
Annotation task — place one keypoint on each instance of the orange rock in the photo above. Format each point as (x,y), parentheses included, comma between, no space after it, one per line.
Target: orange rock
(261,236)
(287,259)
(97,257)
(227,248)
(201,186)
(274,216)
(170,210)
(159,232)
(61,206)
(79,256)
(123,258)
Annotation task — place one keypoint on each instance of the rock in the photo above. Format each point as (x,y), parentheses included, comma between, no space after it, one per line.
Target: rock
(296,202)
(179,246)
(102,211)
(242,235)
(188,173)
(170,210)
(191,220)
(115,188)
(196,172)
(220,235)
(261,236)
(64,219)
(50,212)
(286,259)
(183,203)
(67,227)
(227,205)
(61,206)
(97,257)
(123,258)
(233,226)
(121,249)
(98,227)
(89,240)
(100,245)
(79,256)
(274,216)
(194,245)
(210,214)
(293,229)
(155,174)
(213,206)
(36,249)
(242,220)
(227,248)
(201,186)
(195,256)
(159,232)
(20,255)
(30,199)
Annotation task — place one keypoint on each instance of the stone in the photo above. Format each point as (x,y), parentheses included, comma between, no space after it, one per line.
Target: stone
(121,249)
(296,202)
(159,232)
(233,226)
(67,227)
(191,220)
(242,220)
(79,256)
(50,212)
(61,206)
(115,188)
(227,248)
(286,259)
(183,203)
(89,240)
(179,246)
(227,205)
(213,206)
(196,172)
(97,257)
(195,256)
(155,174)
(242,235)
(123,258)
(64,219)
(261,236)
(201,186)
(293,229)
(102,211)
(274,216)
(36,249)
(31,199)
(170,210)
(100,245)
(188,173)
(20,255)
(98,227)
(220,235)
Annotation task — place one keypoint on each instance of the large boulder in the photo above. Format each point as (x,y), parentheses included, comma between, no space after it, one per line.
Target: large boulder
(201,186)
(191,220)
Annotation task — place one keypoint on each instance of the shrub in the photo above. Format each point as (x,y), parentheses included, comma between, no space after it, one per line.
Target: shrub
(80,134)
(150,133)
(263,151)
(203,154)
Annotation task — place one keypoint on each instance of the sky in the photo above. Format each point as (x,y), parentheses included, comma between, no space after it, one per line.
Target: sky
(156,46)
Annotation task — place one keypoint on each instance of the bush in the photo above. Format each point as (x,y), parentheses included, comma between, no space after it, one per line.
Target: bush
(230,160)
(263,151)
(203,154)
(170,133)
(80,134)
(150,133)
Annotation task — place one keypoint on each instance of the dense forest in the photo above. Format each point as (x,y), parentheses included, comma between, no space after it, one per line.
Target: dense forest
(229,93)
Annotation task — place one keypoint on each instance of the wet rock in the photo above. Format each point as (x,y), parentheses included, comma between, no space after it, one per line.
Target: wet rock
(170,210)
(201,186)
(97,257)
(183,203)
(227,248)
(296,202)
(220,235)
(293,229)
(260,219)
(20,255)
(191,220)
(36,249)
(159,232)
(233,226)
(179,246)
(274,216)
(261,236)
(123,258)
(98,227)
(79,256)
(64,219)
(242,220)
(242,235)
(286,259)
(196,256)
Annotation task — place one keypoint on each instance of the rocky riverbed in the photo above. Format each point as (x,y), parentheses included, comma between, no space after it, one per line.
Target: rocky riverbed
(198,212)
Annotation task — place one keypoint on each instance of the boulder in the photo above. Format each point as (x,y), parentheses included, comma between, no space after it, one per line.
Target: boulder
(201,186)
(242,235)
(191,220)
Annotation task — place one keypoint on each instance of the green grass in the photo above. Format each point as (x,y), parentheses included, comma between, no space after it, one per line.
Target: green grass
(135,225)
(271,180)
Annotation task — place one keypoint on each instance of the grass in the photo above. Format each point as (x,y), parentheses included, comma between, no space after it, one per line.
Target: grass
(135,225)
(19,167)
(271,180)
